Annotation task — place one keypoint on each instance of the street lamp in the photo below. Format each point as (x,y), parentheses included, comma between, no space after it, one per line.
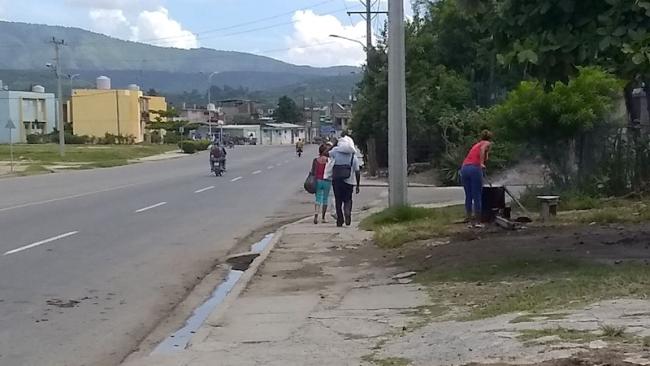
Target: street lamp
(57,71)
(365,48)
(210,102)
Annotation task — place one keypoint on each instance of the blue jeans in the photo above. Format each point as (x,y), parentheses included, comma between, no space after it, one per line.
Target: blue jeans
(472,178)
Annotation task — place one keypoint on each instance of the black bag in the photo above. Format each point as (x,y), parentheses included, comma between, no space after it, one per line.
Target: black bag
(342,171)
(310,181)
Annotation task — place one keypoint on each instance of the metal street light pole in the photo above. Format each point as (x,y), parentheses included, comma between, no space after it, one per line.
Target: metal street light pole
(210,102)
(57,69)
(397,169)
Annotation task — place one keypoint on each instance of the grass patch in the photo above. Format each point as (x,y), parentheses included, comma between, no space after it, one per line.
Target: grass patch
(390,361)
(33,169)
(645,342)
(396,226)
(529,318)
(538,285)
(612,331)
(101,155)
(565,334)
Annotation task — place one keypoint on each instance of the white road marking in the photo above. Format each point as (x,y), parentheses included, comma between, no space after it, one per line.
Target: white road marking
(236,179)
(204,189)
(270,167)
(41,242)
(286,161)
(70,197)
(257,172)
(151,207)
(278,165)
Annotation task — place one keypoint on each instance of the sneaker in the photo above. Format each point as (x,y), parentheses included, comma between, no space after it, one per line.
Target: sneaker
(478,226)
(315,219)
(348,220)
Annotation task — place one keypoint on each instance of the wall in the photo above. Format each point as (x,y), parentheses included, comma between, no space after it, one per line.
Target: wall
(281,136)
(23,107)
(156,104)
(95,113)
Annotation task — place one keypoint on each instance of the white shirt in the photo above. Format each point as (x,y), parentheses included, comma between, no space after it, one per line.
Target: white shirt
(329,168)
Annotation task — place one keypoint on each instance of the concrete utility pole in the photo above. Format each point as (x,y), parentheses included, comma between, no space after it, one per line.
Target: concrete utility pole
(367,15)
(210,102)
(59,94)
(397,170)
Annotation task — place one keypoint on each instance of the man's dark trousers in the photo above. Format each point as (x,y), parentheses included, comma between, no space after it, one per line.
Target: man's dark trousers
(343,201)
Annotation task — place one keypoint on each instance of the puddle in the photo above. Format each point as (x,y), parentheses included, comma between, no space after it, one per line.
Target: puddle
(179,340)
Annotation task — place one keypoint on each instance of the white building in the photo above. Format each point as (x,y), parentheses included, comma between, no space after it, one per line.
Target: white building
(282,133)
(31,112)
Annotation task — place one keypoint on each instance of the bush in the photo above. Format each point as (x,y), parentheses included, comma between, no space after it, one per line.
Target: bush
(188,146)
(35,138)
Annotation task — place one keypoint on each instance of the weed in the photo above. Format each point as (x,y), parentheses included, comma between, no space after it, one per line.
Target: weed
(612,331)
(564,334)
(645,341)
(390,361)
(538,285)
(396,226)
(529,318)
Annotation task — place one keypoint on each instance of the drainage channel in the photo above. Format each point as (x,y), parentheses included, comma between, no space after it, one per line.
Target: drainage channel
(179,340)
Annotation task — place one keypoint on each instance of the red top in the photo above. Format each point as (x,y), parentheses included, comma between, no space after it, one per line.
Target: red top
(474,155)
(319,171)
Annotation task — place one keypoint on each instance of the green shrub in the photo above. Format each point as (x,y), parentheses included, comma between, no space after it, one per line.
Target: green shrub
(188,146)
(35,138)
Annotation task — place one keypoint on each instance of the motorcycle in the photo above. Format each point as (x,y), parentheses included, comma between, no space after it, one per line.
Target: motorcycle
(299,152)
(217,168)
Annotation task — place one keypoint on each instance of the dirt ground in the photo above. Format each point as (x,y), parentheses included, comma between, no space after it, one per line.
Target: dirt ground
(612,244)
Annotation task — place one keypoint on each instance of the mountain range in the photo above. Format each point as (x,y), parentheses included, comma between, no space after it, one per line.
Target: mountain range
(25,49)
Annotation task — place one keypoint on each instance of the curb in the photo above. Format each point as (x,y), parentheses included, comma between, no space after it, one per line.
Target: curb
(244,280)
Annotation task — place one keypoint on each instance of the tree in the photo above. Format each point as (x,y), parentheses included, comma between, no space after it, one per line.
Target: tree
(556,120)
(287,111)
(152,92)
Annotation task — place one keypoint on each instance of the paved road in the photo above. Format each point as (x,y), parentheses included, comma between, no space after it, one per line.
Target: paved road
(126,243)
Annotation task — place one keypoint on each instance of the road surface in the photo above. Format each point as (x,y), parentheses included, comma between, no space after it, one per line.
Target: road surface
(90,261)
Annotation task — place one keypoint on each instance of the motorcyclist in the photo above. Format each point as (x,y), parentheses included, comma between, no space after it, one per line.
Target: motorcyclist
(300,145)
(218,155)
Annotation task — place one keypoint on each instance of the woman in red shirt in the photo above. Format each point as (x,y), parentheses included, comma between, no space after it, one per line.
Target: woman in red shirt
(472,175)
(323,186)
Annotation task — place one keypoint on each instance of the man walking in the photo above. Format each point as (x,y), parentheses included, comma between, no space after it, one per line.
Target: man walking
(344,171)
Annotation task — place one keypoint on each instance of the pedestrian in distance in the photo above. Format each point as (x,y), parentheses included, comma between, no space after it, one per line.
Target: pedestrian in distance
(344,170)
(472,173)
(323,186)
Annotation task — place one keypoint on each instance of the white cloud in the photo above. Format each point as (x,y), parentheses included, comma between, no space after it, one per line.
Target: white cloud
(158,28)
(311,43)
(112,22)
(137,21)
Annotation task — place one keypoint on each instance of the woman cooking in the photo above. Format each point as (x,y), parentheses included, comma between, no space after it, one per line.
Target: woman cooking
(471,175)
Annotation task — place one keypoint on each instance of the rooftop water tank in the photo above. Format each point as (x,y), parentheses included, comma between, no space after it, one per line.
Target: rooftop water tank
(134,87)
(38,89)
(103,83)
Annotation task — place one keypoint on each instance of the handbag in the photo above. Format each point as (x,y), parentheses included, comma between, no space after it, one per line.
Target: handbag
(310,181)
(342,171)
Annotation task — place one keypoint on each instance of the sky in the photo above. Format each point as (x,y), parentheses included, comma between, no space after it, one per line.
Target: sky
(296,31)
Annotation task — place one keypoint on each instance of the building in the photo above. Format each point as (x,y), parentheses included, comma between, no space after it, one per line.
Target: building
(341,116)
(281,134)
(125,112)
(32,112)
(238,111)
(155,104)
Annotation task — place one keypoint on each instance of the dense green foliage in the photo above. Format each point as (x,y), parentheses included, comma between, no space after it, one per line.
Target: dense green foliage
(544,75)
(287,111)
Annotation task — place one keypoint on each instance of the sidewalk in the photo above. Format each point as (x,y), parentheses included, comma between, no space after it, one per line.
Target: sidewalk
(317,299)
(329,296)
(164,156)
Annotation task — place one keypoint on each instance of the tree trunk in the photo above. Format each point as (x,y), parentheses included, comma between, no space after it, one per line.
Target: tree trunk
(371,150)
